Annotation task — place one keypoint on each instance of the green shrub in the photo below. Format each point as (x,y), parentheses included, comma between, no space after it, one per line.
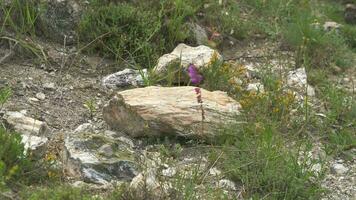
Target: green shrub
(13,162)
(137,33)
(315,47)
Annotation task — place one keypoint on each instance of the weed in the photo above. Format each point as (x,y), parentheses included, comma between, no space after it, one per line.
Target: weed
(90,106)
(19,16)
(259,159)
(5,95)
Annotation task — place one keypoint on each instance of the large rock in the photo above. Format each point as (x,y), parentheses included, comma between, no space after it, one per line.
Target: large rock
(157,111)
(182,56)
(59,20)
(98,157)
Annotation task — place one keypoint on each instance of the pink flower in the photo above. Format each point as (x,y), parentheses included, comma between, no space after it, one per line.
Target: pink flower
(194,75)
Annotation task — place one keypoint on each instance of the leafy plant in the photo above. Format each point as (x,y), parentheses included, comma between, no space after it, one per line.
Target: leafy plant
(90,106)
(13,161)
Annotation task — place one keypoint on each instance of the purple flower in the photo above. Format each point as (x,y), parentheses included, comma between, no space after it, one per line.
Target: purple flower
(194,75)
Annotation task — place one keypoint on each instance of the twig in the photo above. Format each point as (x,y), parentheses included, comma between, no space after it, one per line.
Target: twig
(9,54)
(6,195)
(213,165)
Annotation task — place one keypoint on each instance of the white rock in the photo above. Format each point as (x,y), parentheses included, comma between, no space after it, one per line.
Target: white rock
(214,171)
(255,87)
(49,86)
(40,96)
(329,26)
(226,184)
(124,78)
(169,172)
(33,99)
(297,79)
(200,56)
(33,143)
(26,125)
(339,168)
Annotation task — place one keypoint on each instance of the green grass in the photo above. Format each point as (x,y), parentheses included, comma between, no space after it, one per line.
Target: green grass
(261,160)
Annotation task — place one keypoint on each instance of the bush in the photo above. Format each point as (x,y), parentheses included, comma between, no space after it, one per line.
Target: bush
(138,33)
(13,161)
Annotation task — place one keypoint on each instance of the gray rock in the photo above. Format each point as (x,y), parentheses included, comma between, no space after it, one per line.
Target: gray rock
(350,14)
(26,125)
(60,19)
(339,168)
(97,157)
(124,78)
(201,37)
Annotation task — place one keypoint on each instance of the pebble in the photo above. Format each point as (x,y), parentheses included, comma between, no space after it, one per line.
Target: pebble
(339,168)
(214,171)
(40,96)
(170,172)
(227,184)
(49,86)
(33,99)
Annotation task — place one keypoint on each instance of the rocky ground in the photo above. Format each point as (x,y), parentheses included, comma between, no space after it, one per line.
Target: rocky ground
(56,93)
(84,111)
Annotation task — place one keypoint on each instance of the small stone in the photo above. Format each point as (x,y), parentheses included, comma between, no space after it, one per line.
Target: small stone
(255,87)
(170,172)
(124,78)
(214,171)
(226,184)
(49,86)
(330,26)
(40,96)
(33,99)
(316,168)
(339,168)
